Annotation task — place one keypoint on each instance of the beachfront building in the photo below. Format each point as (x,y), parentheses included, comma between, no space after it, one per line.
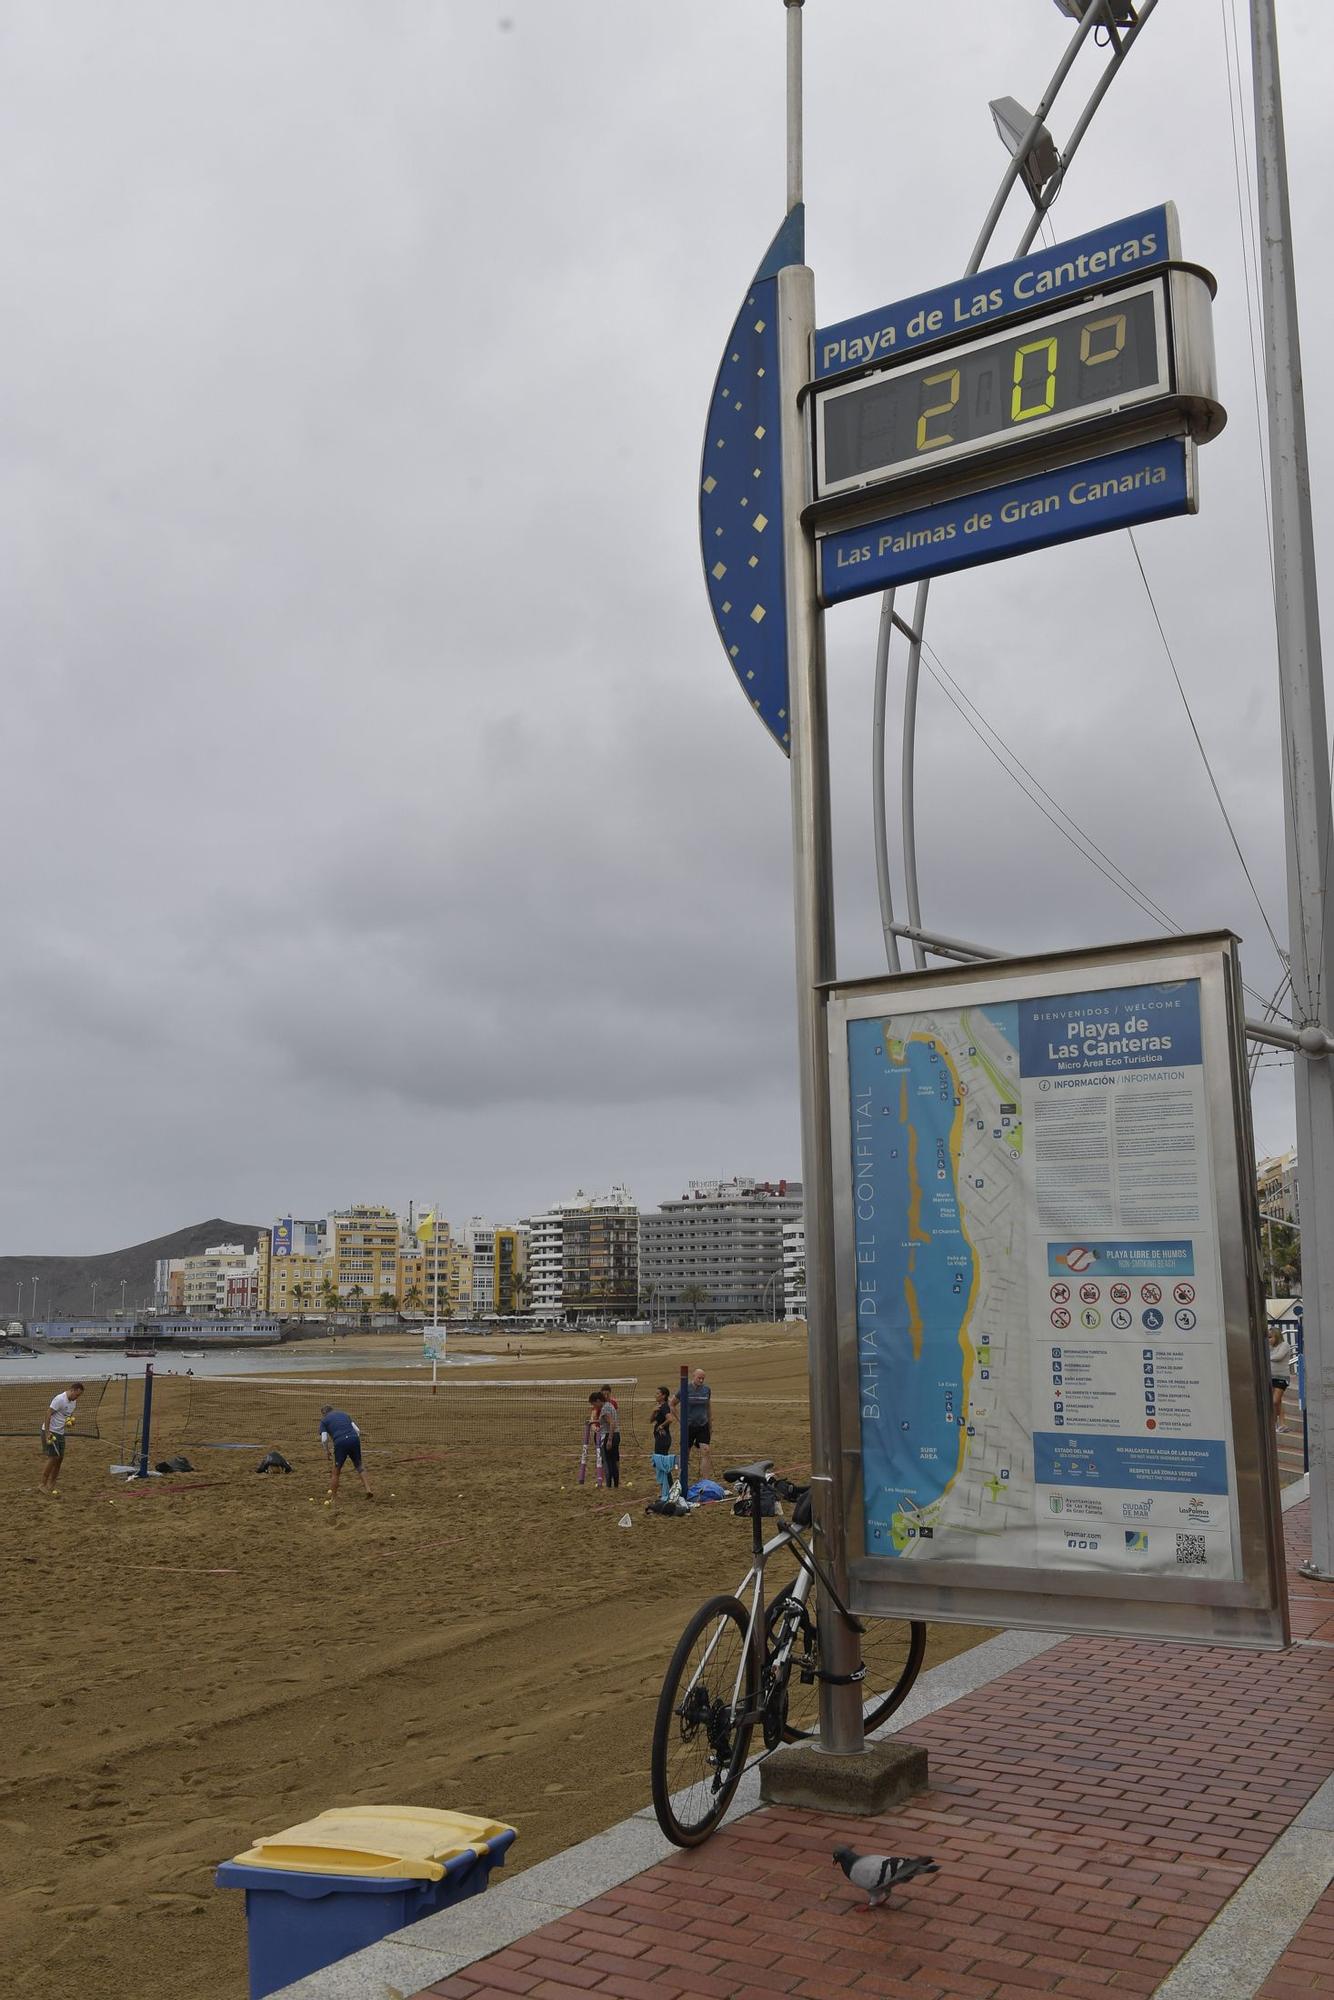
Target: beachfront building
(294,1261)
(221,1279)
(435,1275)
(365,1253)
(499,1260)
(168,1285)
(583,1258)
(716,1253)
(794,1269)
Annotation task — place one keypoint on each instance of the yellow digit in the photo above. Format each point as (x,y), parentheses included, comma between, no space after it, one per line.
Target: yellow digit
(1019,411)
(1115,320)
(950,375)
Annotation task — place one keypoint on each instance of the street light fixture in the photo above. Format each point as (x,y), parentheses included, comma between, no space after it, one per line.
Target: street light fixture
(1122,12)
(1026,139)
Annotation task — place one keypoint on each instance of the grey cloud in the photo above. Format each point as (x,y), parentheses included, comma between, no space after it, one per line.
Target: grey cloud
(383,809)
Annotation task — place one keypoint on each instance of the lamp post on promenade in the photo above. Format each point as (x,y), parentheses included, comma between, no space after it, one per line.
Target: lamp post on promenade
(1306,786)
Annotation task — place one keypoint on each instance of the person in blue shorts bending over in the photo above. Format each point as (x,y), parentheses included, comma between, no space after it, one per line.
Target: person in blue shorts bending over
(342,1440)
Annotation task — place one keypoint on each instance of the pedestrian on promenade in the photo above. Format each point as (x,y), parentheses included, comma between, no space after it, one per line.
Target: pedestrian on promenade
(664,1458)
(342,1441)
(1280,1354)
(610,1420)
(699,1435)
(60,1413)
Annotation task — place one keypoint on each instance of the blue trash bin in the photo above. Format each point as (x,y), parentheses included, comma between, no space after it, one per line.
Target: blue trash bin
(319,1891)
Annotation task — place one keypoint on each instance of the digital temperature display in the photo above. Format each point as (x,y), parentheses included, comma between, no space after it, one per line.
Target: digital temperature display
(1049,372)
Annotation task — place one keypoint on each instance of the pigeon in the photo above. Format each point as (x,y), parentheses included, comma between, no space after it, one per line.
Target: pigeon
(879,1873)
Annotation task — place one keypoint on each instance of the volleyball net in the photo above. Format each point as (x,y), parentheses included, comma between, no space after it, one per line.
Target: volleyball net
(264,1413)
(23,1405)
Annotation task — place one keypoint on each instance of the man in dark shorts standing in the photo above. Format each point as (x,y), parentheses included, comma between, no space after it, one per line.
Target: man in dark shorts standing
(341,1439)
(700,1435)
(61,1412)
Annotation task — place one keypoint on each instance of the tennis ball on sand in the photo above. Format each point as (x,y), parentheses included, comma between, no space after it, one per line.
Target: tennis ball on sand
(328,1503)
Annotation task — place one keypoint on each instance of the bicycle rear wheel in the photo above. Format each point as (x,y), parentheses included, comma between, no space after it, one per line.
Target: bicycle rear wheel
(892,1649)
(702,1732)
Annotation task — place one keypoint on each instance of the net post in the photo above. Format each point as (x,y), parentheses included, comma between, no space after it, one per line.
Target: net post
(683,1398)
(146,1420)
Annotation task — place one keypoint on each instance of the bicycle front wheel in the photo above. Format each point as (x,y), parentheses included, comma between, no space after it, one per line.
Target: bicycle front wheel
(705,1716)
(892,1648)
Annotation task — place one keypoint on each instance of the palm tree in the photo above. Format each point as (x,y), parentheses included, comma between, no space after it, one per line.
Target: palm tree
(387,1302)
(521,1286)
(412,1299)
(300,1294)
(695,1296)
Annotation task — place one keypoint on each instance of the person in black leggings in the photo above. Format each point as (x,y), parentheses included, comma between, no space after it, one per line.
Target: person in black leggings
(611,1436)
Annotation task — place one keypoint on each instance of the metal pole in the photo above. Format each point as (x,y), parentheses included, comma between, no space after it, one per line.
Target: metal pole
(794,131)
(813,907)
(1306,788)
(146,1423)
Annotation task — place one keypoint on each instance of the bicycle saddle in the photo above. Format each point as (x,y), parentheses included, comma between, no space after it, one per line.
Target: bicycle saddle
(752,1474)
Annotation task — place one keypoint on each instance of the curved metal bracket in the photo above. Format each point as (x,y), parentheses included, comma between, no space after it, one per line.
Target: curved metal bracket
(1101,12)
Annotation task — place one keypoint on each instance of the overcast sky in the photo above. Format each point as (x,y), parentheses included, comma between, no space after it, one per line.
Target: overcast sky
(381,816)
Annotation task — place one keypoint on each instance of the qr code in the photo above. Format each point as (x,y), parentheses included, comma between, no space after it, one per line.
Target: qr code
(1191,1551)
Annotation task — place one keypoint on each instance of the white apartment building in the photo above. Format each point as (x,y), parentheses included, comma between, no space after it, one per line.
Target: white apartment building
(225,1278)
(717,1251)
(794,1269)
(583,1256)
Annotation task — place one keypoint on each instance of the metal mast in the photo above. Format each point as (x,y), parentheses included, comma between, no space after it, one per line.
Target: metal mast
(1306,779)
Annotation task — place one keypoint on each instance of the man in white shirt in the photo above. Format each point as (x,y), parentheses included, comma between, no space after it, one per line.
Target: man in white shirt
(58,1416)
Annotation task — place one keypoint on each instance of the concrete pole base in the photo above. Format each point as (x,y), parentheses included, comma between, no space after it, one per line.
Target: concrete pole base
(881,1776)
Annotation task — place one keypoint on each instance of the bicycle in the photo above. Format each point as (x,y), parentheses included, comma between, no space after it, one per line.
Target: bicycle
(733,1670)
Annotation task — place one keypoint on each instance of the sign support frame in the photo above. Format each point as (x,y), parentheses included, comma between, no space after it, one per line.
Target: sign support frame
(1251,1612)
(841,1731)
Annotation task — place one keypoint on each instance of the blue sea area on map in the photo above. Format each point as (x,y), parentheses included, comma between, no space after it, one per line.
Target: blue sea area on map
(912,1406)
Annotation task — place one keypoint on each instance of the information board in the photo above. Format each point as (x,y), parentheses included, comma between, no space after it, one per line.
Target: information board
(1050,1326)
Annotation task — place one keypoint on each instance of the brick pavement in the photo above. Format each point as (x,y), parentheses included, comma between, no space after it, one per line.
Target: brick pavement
(1304,1971)
(1091,1813)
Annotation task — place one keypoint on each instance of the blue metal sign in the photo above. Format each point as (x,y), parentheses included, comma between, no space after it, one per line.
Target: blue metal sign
(740,505)
(1027,285)
(1119,490)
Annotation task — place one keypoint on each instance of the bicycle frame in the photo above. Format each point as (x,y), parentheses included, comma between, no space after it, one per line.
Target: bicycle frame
(809,1572)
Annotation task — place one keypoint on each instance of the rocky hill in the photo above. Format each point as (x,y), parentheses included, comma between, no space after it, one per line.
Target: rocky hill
(65,1284)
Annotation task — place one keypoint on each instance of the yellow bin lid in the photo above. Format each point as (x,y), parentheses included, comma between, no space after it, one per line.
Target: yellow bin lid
(410,1841)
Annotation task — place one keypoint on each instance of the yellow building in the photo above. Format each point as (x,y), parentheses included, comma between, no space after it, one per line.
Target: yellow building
(296,1285)
(294,1262)
(365,1252)
(438,1276)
